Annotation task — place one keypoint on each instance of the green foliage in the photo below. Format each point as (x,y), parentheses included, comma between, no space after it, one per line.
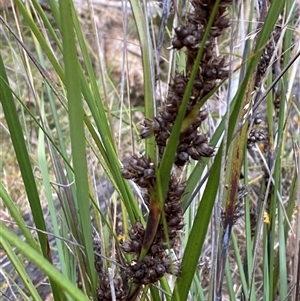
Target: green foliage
(74,120)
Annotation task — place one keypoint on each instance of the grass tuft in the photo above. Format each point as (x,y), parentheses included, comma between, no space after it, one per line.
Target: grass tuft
(149,152)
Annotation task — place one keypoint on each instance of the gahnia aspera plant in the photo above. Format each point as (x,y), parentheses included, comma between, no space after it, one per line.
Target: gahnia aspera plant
(203,201)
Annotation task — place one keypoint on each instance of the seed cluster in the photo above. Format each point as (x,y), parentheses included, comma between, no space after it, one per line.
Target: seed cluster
(190,36)
(257,130)
(157,262)
(256,135)
(253,220)
(151,268)
(104,289)
(140,170)
(192,145)
(212,68)
(204,266)
(265,58)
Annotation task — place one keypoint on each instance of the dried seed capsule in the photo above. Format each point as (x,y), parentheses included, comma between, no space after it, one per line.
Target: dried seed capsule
(117,282)
(182,147)
(167,116)
(145,281)
(155,249)
(104,281)
(181,31)
(172,107)
(146,132)
(167,208)
(194,153)
(142,182)
(100,294)
(139,274)
(138,168)
(171,267)
(252,139)
(202,115)
(135,246)
(134,233)
(215,32)
(180,79)
(222,73)
(189,41)
(179,90)
(127,174)
(161,143)
(163,136)
(174,221)
(256,135)
(179,163)
(257,120)
(179,226)
(147,123)
(175,207)
(137,231)
(151,274)
(250,145)
(137,266)
(156,126)
(133,160)
(98,267)
(160,270)
(179,190)
(126,246)
(222,22)
(210,73)
(195,126)
(161,121)
(206,150)
(176,43)
(119,294)
(200,139)
(183,156)
(143,162)
(187,133)
(107,294)
(148,260)
(198,84)
(149,173)
(129,272)
(172,232)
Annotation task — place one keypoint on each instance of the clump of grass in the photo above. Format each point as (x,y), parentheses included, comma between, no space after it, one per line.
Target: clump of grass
(186,201)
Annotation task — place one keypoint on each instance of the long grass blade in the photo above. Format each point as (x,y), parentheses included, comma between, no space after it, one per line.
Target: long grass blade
(76,115)
(37,259)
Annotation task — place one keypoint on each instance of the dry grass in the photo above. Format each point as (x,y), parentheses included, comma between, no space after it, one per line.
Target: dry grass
(103,31)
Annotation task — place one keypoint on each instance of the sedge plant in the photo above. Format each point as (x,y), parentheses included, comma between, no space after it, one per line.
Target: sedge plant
(206,204)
